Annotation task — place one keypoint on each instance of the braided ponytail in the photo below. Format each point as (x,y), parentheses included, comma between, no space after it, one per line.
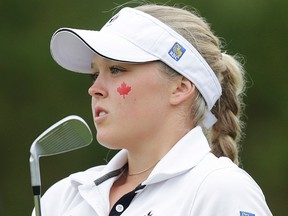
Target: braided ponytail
(225,134)
(227,131)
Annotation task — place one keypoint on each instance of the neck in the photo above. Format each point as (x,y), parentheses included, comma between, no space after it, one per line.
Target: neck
(143,171)
(145,156)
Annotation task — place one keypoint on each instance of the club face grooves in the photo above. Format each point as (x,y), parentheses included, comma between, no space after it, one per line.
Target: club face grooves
(68,136)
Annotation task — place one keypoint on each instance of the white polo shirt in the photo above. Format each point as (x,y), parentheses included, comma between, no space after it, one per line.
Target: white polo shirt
(188,181)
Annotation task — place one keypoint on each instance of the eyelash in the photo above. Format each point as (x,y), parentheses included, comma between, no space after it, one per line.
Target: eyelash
(115,70)
(94,76)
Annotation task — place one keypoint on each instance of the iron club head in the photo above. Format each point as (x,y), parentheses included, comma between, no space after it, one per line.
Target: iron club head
(66,135)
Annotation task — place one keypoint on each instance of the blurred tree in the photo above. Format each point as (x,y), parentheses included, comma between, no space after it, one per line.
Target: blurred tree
(35,92)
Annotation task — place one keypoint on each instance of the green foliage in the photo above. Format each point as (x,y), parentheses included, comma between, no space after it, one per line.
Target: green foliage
(35,92)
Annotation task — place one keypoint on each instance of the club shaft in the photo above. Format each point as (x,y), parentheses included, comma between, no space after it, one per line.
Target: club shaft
(37,205)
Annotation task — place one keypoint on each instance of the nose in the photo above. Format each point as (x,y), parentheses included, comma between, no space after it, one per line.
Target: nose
(97,90)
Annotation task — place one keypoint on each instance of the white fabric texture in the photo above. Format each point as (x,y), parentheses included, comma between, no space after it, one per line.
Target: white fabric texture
(188,181)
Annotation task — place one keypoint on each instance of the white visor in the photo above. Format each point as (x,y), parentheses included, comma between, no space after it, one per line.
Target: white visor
(134,36)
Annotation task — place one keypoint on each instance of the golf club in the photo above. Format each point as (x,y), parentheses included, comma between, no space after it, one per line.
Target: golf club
(66,135)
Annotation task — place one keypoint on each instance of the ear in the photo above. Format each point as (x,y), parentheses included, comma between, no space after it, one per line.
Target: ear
(183,90)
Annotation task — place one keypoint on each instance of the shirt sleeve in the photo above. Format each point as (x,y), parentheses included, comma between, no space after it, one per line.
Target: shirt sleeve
(229,191)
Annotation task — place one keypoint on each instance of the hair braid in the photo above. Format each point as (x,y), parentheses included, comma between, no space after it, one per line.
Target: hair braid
(227,131)
(225,134)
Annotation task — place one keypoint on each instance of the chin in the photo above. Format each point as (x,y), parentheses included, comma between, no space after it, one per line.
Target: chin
(108,143)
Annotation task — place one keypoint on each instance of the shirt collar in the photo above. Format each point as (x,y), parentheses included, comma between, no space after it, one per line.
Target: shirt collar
(184,155)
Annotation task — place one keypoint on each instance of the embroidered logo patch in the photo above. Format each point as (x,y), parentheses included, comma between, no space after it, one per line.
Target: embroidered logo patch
(246,214)
(177,51)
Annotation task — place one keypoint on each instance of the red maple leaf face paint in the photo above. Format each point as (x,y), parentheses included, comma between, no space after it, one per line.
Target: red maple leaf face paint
(124,89)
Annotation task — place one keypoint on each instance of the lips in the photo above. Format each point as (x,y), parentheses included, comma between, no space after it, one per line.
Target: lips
(99,114)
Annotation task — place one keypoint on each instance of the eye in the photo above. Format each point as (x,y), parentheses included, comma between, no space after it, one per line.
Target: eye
(116,70)
(94,76)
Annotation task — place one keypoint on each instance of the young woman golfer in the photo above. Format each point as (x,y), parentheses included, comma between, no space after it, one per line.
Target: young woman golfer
(170,99)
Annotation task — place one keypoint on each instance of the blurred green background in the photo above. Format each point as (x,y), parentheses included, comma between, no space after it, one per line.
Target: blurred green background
(36,92)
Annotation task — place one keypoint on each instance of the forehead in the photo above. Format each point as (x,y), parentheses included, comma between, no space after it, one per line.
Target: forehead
(99,61)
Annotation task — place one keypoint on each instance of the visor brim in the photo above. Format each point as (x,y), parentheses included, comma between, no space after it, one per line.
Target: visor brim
(73,49)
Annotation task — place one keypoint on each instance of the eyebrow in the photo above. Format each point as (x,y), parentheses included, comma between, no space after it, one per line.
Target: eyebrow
(93,67)
(109,61)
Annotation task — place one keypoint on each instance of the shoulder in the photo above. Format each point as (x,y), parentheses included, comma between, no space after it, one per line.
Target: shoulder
(74,180)
(227,187)
(224,174)
(64,192)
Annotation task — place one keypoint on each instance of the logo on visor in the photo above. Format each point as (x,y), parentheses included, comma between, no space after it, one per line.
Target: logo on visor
(246,214)
(177,51)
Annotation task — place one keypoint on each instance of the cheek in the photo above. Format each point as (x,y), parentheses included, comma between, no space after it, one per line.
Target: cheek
(128,100)
(93,106)
(124,89)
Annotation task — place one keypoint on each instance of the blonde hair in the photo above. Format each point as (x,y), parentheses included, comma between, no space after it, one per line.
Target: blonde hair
(226,133)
